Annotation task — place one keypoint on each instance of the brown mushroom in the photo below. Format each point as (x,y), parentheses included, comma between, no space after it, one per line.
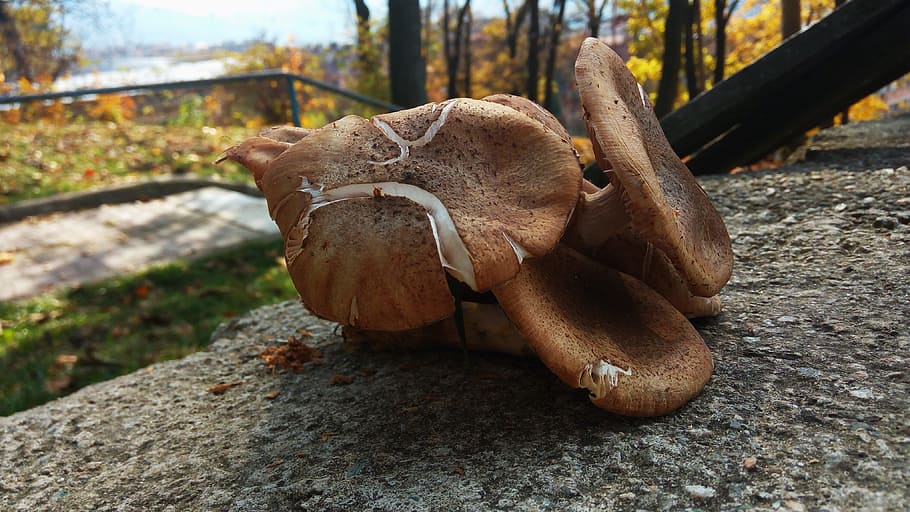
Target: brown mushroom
(664,205)
(600,229)
(605,331)
(483,184)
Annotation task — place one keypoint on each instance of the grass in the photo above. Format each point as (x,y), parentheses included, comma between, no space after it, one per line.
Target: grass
(57,343)
(41,159)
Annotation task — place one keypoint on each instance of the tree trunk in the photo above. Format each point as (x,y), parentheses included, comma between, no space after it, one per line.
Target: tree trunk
(454,42)
(790,21)
(594,16)
(14,42)
(668,87)
(720,40)
(690,52)
(363,38)
(533,50)
(555,33)
(722,13)
(407,70)
(469,19)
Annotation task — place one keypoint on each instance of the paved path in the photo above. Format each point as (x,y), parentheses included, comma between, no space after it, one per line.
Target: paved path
(65,249)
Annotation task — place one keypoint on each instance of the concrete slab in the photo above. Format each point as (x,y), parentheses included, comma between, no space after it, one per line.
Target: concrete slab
(247,211)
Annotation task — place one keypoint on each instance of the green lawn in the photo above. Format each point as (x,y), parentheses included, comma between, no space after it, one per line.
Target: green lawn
(56,343)
(42,159)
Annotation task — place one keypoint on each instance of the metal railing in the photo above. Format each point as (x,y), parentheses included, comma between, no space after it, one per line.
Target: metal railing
(289,78)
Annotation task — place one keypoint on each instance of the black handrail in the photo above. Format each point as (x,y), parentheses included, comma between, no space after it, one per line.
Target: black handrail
(290,78)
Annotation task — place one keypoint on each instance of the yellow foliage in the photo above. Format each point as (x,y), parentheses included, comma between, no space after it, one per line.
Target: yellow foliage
(870,107)
(754,29)
(585,150)
(113,107)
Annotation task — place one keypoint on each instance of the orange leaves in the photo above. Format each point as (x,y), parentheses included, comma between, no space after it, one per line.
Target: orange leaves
(290,356)
(142,291)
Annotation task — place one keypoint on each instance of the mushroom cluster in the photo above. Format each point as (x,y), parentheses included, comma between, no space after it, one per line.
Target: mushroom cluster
(383,218)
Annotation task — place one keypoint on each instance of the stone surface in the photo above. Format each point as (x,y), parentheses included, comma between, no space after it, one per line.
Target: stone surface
(808,409)
(65,249)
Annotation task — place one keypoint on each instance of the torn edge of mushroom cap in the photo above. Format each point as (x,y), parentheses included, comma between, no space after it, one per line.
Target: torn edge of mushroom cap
(667,206)
(255,153)
(453,255)
(607,332)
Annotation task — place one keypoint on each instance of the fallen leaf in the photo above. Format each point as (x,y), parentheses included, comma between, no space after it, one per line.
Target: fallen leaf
(290,356)
(274,464)
(341,380)
(58,383)
(750,463)
(220,389)
(458,471)
(67,359)
(142,291)
(272,395)
(328,435)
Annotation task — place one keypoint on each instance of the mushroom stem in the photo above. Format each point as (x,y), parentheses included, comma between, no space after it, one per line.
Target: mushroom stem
(486,327)
(598,217)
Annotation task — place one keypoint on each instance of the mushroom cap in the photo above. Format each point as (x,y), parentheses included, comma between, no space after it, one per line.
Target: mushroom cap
(340,277)
(666,206)
(606,331)
(532,110)
(494,185)
(600,229)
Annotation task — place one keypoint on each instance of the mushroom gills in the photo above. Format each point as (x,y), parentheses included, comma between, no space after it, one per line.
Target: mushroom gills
(453,254)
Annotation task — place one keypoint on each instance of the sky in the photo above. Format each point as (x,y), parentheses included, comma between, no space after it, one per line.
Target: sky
(187,22)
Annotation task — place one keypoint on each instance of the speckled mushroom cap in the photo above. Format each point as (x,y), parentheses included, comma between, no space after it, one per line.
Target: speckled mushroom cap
(605,331)
(601,229)
(361,203)
(665,204)
(532,110)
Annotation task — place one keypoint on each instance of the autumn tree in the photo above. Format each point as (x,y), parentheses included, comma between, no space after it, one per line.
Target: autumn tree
(456,44)
(35,45)
(594,14)
(367,67)
(556,25)
(722,13)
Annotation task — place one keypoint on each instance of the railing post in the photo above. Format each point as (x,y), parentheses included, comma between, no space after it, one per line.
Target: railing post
(292,94)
